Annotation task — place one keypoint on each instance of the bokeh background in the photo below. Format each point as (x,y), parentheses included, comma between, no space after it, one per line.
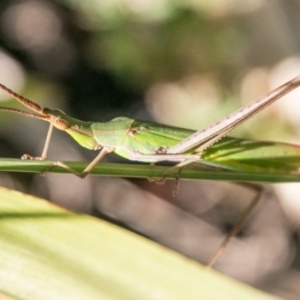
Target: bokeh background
(184,63)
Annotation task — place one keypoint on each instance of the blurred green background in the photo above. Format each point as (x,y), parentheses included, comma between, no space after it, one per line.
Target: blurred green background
(183,63)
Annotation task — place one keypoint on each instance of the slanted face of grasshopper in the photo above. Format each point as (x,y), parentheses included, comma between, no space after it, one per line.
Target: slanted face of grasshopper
(154,142)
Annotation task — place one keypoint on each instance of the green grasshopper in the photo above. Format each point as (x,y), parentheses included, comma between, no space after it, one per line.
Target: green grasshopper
(153,142)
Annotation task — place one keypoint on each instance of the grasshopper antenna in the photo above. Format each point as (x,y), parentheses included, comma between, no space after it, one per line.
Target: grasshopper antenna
(24,113)
(40,114)
(24,101)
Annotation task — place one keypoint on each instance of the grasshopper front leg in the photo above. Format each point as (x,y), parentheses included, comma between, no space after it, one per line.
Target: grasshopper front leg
(83,174)
(45,149)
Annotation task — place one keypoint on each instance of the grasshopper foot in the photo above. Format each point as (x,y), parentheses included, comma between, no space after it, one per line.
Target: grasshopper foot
(48,169)
(176,187)
(28,156)
(163,180)
(157,180)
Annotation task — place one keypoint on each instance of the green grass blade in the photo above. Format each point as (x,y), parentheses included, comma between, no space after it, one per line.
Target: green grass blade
(51,253)
(147,171)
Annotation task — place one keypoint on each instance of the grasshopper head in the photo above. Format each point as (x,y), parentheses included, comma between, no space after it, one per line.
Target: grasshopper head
(79,130)
(57,118)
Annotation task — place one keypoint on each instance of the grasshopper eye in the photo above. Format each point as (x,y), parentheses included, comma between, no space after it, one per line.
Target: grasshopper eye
(61,124)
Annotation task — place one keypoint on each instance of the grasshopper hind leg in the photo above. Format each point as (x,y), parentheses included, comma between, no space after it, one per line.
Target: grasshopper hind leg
(258,189)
